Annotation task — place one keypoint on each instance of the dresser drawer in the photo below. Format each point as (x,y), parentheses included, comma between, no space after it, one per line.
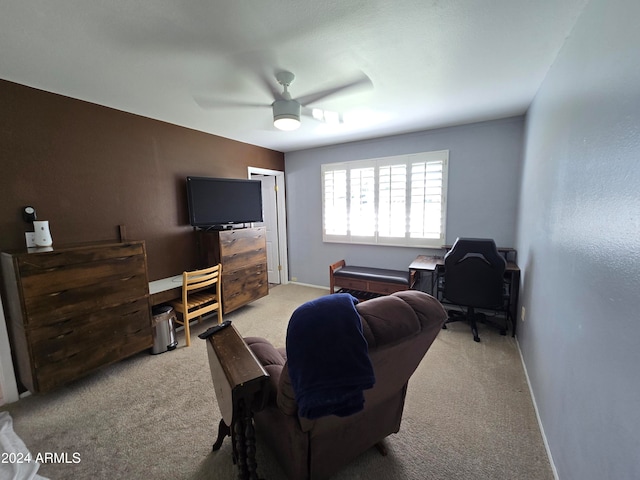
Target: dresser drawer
(53,280)
(47,309)
(241,240)
(244,285)
(66,257)
(240,260)
(64,351)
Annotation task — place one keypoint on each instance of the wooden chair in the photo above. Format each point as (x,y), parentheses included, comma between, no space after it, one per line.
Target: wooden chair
(198,296)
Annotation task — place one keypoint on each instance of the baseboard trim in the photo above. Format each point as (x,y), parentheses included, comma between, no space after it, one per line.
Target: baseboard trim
(535,407)
(310,285)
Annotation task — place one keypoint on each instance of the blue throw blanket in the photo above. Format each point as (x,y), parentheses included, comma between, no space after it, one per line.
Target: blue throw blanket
(328,358)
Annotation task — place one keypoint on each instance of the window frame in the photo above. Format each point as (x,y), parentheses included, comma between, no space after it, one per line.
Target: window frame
(440,157)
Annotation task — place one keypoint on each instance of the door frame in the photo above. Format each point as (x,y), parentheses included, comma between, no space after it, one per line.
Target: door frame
(281,214)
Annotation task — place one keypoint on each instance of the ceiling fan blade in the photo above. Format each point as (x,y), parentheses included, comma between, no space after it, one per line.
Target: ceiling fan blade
(209,103)
(267,82)
(361,81)
(261,65)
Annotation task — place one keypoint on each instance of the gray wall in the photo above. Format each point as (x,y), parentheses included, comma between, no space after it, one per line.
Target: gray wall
(579,247)
(485,161)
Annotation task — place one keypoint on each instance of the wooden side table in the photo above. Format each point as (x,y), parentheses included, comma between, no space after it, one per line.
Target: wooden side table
(240,383)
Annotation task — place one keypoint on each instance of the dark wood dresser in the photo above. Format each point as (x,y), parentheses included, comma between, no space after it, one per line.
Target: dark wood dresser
(243,255)
(75,308)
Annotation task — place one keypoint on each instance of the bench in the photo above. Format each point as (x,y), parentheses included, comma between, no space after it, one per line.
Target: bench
(367,282)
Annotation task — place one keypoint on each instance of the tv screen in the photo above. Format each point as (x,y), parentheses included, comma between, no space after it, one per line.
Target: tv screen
(223,201)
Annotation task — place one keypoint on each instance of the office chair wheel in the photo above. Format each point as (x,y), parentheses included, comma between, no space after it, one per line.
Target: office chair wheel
(476,338)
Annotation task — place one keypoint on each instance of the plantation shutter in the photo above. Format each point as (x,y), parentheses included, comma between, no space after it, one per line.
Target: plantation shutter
(386,201)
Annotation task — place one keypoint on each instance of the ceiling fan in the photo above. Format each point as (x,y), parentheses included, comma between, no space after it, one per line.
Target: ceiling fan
(287,110)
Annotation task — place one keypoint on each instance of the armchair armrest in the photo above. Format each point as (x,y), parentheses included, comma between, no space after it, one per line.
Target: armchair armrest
(274,362)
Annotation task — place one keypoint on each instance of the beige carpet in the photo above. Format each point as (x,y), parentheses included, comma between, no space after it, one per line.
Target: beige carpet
(468,413)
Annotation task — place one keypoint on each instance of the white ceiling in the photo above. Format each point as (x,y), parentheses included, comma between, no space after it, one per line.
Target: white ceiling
(432,63)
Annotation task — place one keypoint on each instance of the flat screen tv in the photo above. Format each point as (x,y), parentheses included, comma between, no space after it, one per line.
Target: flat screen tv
(219,202)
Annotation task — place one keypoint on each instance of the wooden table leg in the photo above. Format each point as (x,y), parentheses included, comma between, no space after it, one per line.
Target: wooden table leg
(223,431)
(245,443)
(250,445)
(240,442)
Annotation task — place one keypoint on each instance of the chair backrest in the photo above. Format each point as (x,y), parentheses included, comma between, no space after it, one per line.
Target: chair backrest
(474,273)
(197,281)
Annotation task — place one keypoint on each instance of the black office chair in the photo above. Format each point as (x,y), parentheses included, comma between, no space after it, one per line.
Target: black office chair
(474,278)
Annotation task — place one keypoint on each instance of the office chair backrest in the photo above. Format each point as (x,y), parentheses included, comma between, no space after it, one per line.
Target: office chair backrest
(474,273)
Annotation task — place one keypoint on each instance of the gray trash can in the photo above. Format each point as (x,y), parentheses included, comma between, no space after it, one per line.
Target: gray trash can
(164,333)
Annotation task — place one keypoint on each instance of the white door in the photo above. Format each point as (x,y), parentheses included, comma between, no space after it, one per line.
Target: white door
(270,217)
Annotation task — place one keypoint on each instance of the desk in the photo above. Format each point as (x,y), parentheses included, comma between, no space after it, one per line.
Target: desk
(434,266)
(240,384)
(165,290)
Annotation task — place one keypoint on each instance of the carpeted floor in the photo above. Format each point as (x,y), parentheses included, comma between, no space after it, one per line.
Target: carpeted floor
(468,413)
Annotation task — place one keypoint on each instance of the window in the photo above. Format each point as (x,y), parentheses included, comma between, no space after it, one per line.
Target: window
(397,200)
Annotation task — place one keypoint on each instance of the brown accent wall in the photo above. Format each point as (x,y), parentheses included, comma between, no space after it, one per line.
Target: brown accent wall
(88,169)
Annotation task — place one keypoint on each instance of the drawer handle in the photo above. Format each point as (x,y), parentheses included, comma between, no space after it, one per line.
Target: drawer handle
(134,334)
(55,294)
(62,335)
(61,360)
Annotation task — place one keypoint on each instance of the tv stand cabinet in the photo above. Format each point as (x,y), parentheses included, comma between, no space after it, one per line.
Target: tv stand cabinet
(243,255)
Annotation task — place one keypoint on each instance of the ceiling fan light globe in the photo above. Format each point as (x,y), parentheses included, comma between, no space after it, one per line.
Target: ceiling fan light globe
(286,114)
(286,123)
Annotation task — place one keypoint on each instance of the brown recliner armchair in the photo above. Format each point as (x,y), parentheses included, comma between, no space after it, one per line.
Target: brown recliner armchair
(399,329)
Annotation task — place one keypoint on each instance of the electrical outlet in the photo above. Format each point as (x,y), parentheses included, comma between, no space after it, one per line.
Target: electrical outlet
(30,237)
(522,313)
(294,279)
